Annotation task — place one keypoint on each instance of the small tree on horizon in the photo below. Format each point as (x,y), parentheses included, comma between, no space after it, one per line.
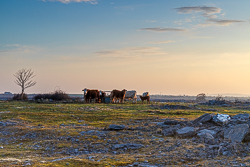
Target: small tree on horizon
(201,97)
(23,79)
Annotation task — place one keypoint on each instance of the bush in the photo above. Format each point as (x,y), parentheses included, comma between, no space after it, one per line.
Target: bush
(219,98)
(58,95)
(42,96)
(19,97)
(201,98)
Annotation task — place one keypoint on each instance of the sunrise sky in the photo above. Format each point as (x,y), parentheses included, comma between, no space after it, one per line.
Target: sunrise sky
(170,47)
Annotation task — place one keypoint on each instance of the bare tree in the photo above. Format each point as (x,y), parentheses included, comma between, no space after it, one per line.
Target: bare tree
(23,78)
(200,98)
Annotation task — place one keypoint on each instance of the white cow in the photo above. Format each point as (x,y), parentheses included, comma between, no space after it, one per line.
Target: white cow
(131,95)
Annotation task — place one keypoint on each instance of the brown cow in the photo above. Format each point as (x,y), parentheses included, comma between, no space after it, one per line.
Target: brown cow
(145,97)
(117,95)
(102,96)
(91,94)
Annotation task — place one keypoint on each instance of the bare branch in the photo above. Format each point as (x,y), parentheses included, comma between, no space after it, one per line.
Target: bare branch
(23,78)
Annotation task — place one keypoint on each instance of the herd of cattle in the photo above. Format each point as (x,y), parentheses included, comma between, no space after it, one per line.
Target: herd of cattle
(116,96)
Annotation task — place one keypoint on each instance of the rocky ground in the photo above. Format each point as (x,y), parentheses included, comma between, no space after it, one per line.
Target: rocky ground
(144,143)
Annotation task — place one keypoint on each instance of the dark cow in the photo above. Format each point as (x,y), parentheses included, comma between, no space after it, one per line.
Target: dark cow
(102,96)
(91,94)
(145,96)
(117,95)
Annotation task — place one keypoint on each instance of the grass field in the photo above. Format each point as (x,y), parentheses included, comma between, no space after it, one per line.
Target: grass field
(41,134)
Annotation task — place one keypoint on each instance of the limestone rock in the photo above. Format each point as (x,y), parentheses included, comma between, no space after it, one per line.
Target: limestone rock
(127,146)
(221,119)
(186,132)
(169,132)
(201,132)
(236,133)
(116,127)
(204,118)
(171,122)
(241,116)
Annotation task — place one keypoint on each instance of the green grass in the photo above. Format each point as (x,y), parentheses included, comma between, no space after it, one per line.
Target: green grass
(62,119)
(98,115)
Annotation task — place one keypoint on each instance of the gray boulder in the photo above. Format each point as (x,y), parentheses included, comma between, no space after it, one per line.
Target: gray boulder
(236,133)
(116,127)
(241,117)
(204,118)
(186,132)
(171,122)
(247,137)
(3,124)
(169,132)
(221,119)
(204,131)
(207,135)
(127,146)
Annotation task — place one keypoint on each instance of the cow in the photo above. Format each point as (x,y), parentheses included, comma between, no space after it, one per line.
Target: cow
(117,95)
(145,96)
(91,94)
(102,96)
(131,95)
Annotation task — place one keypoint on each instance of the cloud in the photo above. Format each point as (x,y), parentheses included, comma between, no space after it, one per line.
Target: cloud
(128,7)
(200,37)
(207,11)
(77,1)
(160,29)
(13,45)
(161,42)
(21,49)
(222,22)
(150,21)
(131,52)
(210,14)
(219,22)
(4,51)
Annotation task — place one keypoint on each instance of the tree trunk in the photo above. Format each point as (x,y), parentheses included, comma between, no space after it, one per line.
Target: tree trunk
(22,93)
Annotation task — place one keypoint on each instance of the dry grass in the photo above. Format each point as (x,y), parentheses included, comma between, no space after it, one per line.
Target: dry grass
(44,124)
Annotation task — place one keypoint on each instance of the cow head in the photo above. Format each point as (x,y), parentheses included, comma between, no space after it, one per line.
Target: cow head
(124,90)
(85,91)
(145,94)
(100,92)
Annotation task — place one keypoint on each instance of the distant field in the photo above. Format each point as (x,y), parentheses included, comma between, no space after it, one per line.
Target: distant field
(160,98)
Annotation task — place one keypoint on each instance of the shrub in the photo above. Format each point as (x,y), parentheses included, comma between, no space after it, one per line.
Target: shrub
(19,97)
(58,95)
(42,96)
(219,98)
(201,97)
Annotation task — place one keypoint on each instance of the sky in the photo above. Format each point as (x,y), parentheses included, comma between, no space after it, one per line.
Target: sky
(172,47)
